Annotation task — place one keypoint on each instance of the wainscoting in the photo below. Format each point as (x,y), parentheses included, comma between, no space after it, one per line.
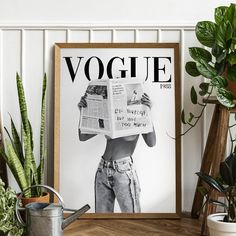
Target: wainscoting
(28,49)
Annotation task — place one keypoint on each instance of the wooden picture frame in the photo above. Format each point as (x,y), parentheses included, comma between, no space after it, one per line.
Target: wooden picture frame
(75,162)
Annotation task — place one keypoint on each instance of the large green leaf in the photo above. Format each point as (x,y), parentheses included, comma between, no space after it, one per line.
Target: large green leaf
(219,14)
(206,69)
(193,95)
(219,81)
(230,14)
(211,181)
(206,32)
(224,33)
(191,69)
(225,97)
(200,54)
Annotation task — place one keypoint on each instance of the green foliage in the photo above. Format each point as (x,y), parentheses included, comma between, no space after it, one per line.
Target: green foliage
(8,221)
(216,62)
(226,185)
(19,154)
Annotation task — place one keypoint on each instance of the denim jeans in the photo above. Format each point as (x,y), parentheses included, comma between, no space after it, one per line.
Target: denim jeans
(117,180)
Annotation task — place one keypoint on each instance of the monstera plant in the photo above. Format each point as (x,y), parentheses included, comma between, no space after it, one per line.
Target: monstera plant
(215,61)
(19,154)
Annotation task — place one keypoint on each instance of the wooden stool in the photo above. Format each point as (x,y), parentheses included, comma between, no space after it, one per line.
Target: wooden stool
(214,153)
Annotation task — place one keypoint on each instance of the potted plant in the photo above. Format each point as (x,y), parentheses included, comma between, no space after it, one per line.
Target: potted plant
(221,224)
(215,61)
(8,222)
(19,154)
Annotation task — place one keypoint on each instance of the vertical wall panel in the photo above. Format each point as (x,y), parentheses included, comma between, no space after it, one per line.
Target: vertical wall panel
(102,36)
(170,36)
(149,36)
(51,37)
(125,36)
(192,142)
(11,63)
(80,36)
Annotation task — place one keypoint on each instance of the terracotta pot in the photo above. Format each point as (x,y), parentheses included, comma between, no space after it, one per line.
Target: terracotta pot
(44,198)
(219,228)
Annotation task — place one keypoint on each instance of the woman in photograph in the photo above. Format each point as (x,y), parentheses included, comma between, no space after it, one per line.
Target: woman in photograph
(116,177)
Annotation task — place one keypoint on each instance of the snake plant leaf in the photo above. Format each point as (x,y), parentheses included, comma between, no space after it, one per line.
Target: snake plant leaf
(211,181)
(17,142)
(206,32)
(193,95)
(225,97)
(22,104)
(28,156)
(31,135)
(223,34)
(191,69)
(231,75)
(17,168)
(206,69)
(220,13)
(198,53)
(183,117)
(42,131)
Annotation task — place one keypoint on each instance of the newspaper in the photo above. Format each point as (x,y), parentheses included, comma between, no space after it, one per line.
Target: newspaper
(114,108)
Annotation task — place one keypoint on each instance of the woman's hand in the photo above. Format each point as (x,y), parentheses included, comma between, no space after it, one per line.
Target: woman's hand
(83,102)
(145,100)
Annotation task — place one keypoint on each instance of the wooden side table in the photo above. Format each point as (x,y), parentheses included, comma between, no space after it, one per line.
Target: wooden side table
(214,153)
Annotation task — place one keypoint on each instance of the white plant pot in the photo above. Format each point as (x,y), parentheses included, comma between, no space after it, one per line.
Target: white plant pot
(219,228)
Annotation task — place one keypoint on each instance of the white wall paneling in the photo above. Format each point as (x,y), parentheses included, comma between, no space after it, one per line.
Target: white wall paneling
(28,49)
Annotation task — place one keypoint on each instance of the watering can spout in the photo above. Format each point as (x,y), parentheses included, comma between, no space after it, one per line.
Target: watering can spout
(70,219)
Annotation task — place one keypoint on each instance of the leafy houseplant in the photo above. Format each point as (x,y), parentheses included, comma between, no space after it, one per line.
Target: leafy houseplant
(19,154)
(226,185)
(8,221)
(217,63)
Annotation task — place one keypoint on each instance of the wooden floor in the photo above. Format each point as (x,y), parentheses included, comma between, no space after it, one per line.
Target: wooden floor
(160,227)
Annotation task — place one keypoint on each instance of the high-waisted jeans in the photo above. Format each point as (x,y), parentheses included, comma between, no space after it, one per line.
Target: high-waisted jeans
(117,180)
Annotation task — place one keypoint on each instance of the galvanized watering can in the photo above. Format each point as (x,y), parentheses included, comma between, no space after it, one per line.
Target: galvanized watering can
(46,219)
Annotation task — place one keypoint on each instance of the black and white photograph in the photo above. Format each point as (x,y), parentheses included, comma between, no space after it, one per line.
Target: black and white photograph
(115,145)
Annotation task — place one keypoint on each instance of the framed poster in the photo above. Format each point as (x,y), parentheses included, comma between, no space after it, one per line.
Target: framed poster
(148,161)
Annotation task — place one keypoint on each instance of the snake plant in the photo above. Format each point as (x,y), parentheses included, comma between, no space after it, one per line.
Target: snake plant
(19,154)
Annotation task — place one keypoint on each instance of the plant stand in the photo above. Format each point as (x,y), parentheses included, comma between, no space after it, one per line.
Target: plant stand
(214,153)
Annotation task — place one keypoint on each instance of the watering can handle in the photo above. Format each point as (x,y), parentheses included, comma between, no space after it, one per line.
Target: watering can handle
(35,186)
